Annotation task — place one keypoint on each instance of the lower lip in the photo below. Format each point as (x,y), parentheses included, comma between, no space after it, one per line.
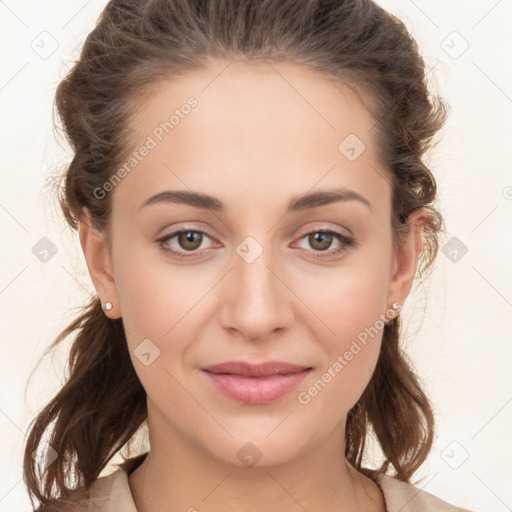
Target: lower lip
(256,390)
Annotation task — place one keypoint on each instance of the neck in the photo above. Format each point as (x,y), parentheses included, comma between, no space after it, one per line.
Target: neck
(177,476)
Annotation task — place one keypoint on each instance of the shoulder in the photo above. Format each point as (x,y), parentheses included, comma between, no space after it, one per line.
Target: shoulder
(406,497)
(110,493)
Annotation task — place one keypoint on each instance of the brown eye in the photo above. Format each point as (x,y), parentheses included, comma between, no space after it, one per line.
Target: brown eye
(324,243)
(185,243)
(320,240)
(190,240)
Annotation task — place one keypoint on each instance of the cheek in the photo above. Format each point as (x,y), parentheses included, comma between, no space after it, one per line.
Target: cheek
(345,301)
(326,400)
(162,310)
(157,324)
(156,298)
(337,385)
(350,311)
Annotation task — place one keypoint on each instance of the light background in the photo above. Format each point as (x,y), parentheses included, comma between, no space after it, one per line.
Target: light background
(462,348)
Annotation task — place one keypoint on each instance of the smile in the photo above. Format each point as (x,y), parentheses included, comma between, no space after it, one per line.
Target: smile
(256,384)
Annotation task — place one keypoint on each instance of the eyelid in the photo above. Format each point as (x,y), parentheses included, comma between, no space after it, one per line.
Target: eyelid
(347,241)
(325,227)
(180,230)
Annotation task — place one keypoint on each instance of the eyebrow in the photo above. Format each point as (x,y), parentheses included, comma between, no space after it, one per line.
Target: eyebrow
(204,201)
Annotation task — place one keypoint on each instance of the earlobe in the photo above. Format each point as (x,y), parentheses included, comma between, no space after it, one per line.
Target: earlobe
(99,263)
(407,258)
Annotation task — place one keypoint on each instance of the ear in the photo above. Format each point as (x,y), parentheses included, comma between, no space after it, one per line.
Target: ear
(406,258)
(99,262)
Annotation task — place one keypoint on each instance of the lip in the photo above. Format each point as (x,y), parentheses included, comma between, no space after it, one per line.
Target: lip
(256,384)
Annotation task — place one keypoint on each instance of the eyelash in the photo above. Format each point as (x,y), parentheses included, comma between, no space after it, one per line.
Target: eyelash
(346,241)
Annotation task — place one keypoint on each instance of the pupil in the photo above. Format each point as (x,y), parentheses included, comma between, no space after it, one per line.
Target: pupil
(323,239)
(188,240)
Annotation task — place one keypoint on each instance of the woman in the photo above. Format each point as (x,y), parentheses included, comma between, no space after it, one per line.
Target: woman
(253,208)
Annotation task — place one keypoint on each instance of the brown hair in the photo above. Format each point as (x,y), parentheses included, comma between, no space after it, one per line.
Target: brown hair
(135,44)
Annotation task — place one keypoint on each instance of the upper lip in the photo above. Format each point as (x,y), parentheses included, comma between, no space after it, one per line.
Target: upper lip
(264,369)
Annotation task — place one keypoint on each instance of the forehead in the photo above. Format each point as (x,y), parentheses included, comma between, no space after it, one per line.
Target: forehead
(234,95)
(258,129)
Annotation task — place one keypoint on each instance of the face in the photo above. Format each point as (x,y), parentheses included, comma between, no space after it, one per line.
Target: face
(252,274)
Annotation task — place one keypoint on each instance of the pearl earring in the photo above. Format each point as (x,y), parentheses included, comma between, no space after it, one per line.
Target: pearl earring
(396,306)
(107,306)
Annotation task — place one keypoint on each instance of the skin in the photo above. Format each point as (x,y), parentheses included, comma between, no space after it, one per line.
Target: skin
(253,142)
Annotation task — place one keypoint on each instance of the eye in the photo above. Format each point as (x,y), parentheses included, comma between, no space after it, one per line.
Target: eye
(321,239)
(190,240)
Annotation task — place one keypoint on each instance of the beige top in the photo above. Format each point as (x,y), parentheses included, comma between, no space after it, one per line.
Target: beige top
(112,493)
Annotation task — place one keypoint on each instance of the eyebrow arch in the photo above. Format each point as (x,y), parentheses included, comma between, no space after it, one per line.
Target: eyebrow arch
(204,201)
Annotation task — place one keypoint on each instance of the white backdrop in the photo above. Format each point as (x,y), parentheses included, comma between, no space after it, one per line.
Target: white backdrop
(462,348)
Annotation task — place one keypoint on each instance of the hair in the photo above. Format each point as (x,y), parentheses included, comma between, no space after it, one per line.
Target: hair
(137,44)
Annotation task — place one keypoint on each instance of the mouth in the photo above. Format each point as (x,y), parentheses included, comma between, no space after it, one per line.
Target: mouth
(256,384)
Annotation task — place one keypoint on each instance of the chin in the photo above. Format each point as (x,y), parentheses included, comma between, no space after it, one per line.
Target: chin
(256,448)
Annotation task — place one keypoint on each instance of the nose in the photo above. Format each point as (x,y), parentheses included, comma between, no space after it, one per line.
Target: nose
(257,300)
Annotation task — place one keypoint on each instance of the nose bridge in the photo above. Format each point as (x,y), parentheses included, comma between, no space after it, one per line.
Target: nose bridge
(258,302)
(256,282)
